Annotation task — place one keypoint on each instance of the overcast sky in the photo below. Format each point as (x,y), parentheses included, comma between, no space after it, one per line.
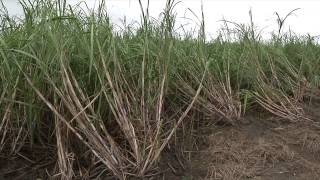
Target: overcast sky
(305,20)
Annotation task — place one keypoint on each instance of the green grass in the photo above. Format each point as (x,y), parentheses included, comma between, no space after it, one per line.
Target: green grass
(69,80)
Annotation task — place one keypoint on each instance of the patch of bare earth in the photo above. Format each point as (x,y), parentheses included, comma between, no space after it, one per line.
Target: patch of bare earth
(26,164)
(259,149)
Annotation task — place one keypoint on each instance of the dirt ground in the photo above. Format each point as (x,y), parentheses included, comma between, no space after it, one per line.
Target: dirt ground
(257,148)
(27,164)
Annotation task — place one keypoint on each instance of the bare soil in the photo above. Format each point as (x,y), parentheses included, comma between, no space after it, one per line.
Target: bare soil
(27,164)
(259,148)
